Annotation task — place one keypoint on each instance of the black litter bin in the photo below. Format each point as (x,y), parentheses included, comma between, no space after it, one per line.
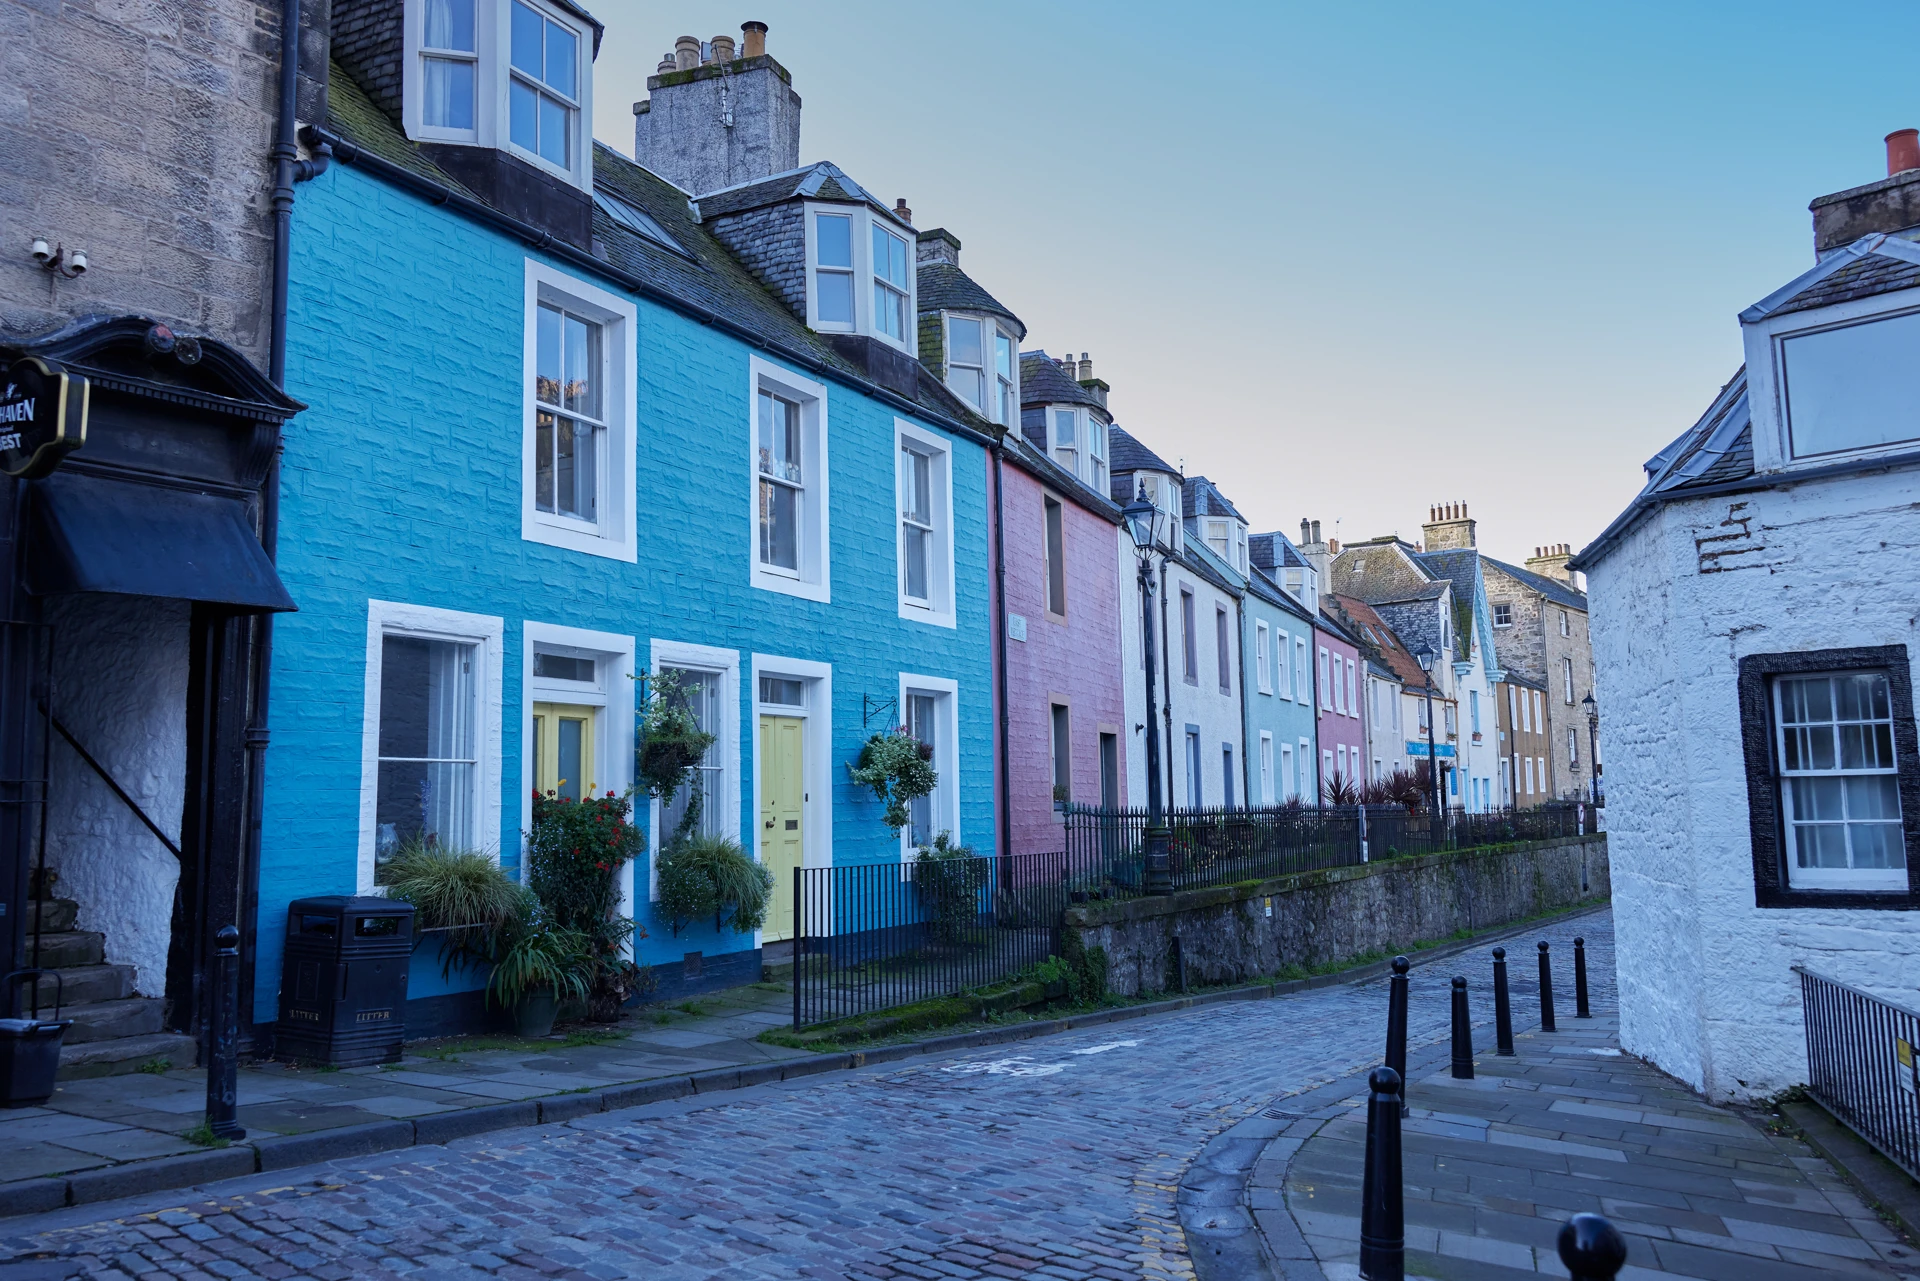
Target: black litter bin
(343,982)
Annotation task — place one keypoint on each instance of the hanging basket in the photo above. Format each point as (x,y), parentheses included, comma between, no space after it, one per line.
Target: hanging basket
(30,1047)
(665,761)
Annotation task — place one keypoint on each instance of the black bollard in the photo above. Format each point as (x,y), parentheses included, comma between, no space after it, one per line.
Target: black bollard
(1546,991)
(1397,1025)
(223,1068)
(1383,1232)
(1462,1033)
(1502,1005)
(1580,1007)
(1592,1248)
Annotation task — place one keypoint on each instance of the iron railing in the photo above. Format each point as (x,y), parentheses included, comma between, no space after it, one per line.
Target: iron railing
(1863,1065)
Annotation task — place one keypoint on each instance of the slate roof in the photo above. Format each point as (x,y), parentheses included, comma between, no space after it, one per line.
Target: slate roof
(1275,551)
(1871,265)
(1124,452)
(1201,497)
(821,180)
(706,278)
(1386,645)
(1552,588)
(942,286)
(1043,382)
(1034,461)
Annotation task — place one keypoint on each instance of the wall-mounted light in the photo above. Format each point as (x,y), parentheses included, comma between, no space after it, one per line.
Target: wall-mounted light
(57,259)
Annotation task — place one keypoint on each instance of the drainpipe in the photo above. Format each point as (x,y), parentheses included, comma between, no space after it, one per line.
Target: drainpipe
(1246,728)
(1166,694)
(1000,649)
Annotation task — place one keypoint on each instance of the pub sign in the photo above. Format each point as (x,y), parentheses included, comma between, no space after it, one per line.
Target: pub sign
(43,416)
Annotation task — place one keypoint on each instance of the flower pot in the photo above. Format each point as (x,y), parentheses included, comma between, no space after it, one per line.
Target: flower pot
(533,1012)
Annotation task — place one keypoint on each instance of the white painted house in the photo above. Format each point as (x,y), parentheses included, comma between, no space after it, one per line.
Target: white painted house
(1754,614)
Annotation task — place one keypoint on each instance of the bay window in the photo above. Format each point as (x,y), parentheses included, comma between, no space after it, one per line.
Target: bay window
(1066,440)
(543,97)
(966,361)
(833,270)
(449,59)
(1006,365)
(891,284)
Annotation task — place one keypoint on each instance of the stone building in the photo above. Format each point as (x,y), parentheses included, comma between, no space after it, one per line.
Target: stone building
(1540,626)
(1753,636)
(1526,739)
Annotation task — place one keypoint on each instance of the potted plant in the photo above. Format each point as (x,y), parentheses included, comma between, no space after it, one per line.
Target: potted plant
(575,851)
(463,895)
(899,769)
(713,874)
(544,964)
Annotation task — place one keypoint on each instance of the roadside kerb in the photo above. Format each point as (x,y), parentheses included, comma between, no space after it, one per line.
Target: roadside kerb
(280,1152)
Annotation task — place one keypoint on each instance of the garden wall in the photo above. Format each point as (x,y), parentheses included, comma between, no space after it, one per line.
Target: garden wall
(1258,928)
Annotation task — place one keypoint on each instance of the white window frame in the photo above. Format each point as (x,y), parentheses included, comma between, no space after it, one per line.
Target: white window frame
(1765,341)
(613,535)
(1266,767)
(1289,784)
(1353,707)
(1566,670)
(487,634)
(1283,664)
(938,610)
(724,663)
(1260,633)
(946,753)
(1098,441)
(1326,692)
(1497,607)
(1566,628)
(988,383)
(613,655)
(862,220)
(1309,786)
(1006,392)
(816,817)
(1074,415)
(1302,671)
(1862,879)
(492,25)
(814,580)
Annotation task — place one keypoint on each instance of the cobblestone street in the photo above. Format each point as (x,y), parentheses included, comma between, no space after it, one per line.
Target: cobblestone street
(1057,1158)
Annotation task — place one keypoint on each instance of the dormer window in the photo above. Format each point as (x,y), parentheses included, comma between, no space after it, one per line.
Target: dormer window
(515,75)
(994,388)
(543,99)
(1066,439)
(1849,388)
(966,361)
(846,244)
(1096,454)
(1006,378)
(1078,441)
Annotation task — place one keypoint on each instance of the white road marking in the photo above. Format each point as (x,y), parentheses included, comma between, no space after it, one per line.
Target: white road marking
(1102,1049)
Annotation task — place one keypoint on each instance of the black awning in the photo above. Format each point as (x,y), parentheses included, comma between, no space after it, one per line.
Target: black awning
(91,534)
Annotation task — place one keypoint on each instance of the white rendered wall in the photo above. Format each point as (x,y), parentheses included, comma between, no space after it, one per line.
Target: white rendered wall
(1706,988)
(120,685)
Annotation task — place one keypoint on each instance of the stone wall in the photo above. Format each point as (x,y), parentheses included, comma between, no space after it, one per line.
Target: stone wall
(1240,932)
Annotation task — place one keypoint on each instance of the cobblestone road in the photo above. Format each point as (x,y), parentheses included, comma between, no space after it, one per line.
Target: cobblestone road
(1056,1158)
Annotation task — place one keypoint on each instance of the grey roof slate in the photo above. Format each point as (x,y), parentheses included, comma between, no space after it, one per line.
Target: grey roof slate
(1034,461)
(1201,497)
(1124,452)
(942,286)
(1043,382)
(821,180)
(1552,588)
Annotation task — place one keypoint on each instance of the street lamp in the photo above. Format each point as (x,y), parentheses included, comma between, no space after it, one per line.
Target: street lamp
(1147,524)
(1427,657)
(1593,747)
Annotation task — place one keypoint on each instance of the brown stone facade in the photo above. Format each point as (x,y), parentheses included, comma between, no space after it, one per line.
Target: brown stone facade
(1542,639)
(1526,743)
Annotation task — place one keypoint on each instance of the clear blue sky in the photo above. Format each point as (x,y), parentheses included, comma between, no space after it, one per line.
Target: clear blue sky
(1353,259)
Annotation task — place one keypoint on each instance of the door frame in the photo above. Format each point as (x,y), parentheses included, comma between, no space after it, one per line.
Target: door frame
(816,746)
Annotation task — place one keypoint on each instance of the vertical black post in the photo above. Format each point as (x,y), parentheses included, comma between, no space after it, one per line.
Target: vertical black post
(799,933)
(1581,1008)
(1397,1024)
(1462,1033)
(223,1067)
(1546,990)
(1591,1248)
(1502,1005)
(1383,1235)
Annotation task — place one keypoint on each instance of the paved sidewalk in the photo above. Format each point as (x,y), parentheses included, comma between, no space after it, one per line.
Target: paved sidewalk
(1494,1166)
(93,1124)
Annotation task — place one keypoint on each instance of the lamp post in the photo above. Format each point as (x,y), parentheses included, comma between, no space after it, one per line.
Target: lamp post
(1426,657)
(1147,524)
(1593,747)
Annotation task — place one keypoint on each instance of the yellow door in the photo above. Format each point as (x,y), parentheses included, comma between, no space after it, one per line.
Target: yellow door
(563,750)
(781,800)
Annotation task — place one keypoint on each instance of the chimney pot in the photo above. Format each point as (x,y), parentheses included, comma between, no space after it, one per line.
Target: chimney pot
(901,211)
(753,36)
(722,48)
(1306,532)
(1903,151)
(1316,531)
(686,53)
(666,64)
(1086,369)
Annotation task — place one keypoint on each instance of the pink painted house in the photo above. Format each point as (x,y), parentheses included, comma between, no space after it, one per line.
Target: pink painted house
(1339,677)
(1061,700)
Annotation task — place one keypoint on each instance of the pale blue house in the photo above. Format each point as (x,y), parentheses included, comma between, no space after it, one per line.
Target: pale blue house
(571,424)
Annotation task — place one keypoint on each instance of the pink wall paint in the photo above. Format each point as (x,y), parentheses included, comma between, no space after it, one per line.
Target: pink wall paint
(1337,728)
(1076,661)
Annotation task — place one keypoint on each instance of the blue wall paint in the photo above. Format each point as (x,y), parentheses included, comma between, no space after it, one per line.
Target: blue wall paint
(402,483)
(1277,713)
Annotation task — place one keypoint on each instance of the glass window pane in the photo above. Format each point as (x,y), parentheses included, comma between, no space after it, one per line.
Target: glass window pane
(568,740)
(543,461)
(427,721)
(1877,845)
(917,552)
(563,667)
(581,388)
(889,311)
(833,240)
(1820,845)
(447,98)
(834,297)
(547,354)
(522,111)
(1003,355)
(564,479)
(889,257)
(526,51)
(449,25)
(779,526)
(968,384)
(782,692)
(555,123)
(1851,388)
(561,46)
(1816,799)
(963,341)
(1063,433)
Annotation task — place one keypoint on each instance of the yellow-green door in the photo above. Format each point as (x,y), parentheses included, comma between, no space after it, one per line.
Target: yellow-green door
(781,798)
(563,750)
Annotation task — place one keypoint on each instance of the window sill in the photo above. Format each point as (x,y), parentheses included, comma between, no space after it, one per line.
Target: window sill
(768,581)
(914,612)
(538,527)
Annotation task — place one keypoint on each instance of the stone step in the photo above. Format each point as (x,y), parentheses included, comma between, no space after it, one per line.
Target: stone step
(106,1020)
(85,984)
(51,914)
(124,1055)
(68,948)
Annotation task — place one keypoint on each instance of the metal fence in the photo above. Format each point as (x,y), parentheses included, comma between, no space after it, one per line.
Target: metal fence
(1863,1065)
(870,937)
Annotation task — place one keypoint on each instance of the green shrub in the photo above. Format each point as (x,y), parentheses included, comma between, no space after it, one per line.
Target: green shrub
(947,879)
(574,854)
(542,955)
(701,875)
(463,892)
(899,769)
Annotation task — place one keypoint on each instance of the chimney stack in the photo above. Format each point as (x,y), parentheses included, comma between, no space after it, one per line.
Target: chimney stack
(901,211)
(1888,204)
(937,245)
(720,121)
(1551,562)
(1448,527)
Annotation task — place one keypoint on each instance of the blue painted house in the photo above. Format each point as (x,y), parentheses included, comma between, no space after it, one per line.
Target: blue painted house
(570,424)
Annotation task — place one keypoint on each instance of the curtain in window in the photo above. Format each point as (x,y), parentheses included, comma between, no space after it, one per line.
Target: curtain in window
(427,747)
